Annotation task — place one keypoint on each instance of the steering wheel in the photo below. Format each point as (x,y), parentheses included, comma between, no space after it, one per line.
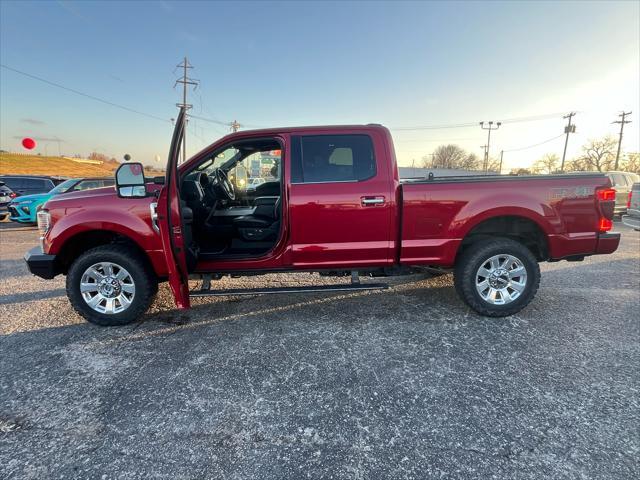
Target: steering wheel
(225,186)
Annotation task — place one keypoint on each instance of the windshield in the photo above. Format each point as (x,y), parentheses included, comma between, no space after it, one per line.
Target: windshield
(63,187)
(219,160)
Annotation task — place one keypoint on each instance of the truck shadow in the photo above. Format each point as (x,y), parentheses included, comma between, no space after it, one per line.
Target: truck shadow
(346,308)
(29,296)
(415,299)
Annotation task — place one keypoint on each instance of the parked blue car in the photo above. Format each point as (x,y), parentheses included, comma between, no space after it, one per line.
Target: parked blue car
(24,209)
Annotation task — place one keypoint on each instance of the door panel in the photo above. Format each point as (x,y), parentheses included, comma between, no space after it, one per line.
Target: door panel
(170,222)
(341,223)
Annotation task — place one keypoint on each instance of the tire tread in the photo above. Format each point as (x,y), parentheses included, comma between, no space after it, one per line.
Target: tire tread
(465,270)
(129,259)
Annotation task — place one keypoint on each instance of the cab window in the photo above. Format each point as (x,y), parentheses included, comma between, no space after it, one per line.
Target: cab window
(332,158)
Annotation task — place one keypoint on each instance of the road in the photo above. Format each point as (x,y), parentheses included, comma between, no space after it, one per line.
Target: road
(404,383)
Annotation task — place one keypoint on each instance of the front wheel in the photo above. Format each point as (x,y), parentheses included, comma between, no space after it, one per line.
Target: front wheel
(497,277)
(110,285)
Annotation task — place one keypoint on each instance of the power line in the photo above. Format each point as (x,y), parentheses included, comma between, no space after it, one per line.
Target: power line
(531,118)
(534,145)
(77,92)
(442,140)
(225,124)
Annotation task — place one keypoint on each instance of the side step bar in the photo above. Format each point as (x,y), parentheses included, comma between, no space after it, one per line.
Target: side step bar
(349,287)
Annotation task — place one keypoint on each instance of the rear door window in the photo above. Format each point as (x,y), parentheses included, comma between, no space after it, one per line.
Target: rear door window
(618,180)
(37,184)
(14,183)
(333,158)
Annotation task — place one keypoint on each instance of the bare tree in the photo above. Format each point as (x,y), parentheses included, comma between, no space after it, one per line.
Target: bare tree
(576,165)
(470,162)
(631,163)
(493,165)
(427,161)
(453,157)
(599,154)
(520,171)
(98,156)
(448,156)
(547,164)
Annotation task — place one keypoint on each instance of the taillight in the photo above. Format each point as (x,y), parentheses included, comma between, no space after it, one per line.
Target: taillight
(606,206)
(606,194)
(13,195)
(605,225)
(629,199)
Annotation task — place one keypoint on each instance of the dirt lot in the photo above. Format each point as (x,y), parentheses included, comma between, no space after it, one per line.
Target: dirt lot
(405,383)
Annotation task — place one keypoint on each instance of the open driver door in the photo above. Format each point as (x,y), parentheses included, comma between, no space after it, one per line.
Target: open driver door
(175,240)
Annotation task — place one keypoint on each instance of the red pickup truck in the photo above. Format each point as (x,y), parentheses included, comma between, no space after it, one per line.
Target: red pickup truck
(332,203)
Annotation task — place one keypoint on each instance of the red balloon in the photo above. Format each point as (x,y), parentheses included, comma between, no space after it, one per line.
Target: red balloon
(29,143)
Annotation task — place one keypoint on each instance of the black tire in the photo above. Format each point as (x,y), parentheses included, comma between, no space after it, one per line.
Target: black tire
(475,256)
(2,217)
(146,284)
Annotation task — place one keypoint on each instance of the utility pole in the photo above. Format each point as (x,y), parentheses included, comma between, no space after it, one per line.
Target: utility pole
(622,115)
(185,80)
(484,157)
(489,127)
(567,130)
(235,126)
(500,168)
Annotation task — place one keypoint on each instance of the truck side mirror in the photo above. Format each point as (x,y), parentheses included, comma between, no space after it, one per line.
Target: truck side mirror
(130,181)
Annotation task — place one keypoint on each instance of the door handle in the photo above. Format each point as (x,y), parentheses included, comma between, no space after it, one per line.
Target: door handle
(372,201)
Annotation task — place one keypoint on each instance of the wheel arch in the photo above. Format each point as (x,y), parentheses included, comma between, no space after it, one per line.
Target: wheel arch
(520,228)
(81,242)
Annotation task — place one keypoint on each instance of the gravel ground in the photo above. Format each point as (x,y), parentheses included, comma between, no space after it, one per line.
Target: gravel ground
(403,383)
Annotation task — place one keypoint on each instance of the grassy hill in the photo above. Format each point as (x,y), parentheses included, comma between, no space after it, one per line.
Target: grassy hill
(58,166)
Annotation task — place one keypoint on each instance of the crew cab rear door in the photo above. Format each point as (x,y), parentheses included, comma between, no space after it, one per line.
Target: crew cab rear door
(170,221)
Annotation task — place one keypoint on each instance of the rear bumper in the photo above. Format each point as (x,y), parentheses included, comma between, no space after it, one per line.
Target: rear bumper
(620,209)
(607,243)
(630,221)
(41,264)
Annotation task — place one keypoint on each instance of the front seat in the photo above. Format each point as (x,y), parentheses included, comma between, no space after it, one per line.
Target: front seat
(263,224)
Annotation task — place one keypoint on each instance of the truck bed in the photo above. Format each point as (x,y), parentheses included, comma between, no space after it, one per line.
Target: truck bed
(438,213)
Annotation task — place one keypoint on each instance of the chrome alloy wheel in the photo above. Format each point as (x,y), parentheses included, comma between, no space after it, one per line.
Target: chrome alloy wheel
(501,279)
(107,288)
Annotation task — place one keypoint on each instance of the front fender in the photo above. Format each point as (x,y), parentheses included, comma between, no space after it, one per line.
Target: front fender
(133,222)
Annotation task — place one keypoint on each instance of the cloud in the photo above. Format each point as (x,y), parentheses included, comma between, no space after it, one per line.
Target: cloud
(41,139)
(32,121)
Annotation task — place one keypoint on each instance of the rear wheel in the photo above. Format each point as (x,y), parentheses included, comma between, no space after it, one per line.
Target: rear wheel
(110,285)
(497,277)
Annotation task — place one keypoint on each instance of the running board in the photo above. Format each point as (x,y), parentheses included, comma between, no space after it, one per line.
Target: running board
(348,287)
